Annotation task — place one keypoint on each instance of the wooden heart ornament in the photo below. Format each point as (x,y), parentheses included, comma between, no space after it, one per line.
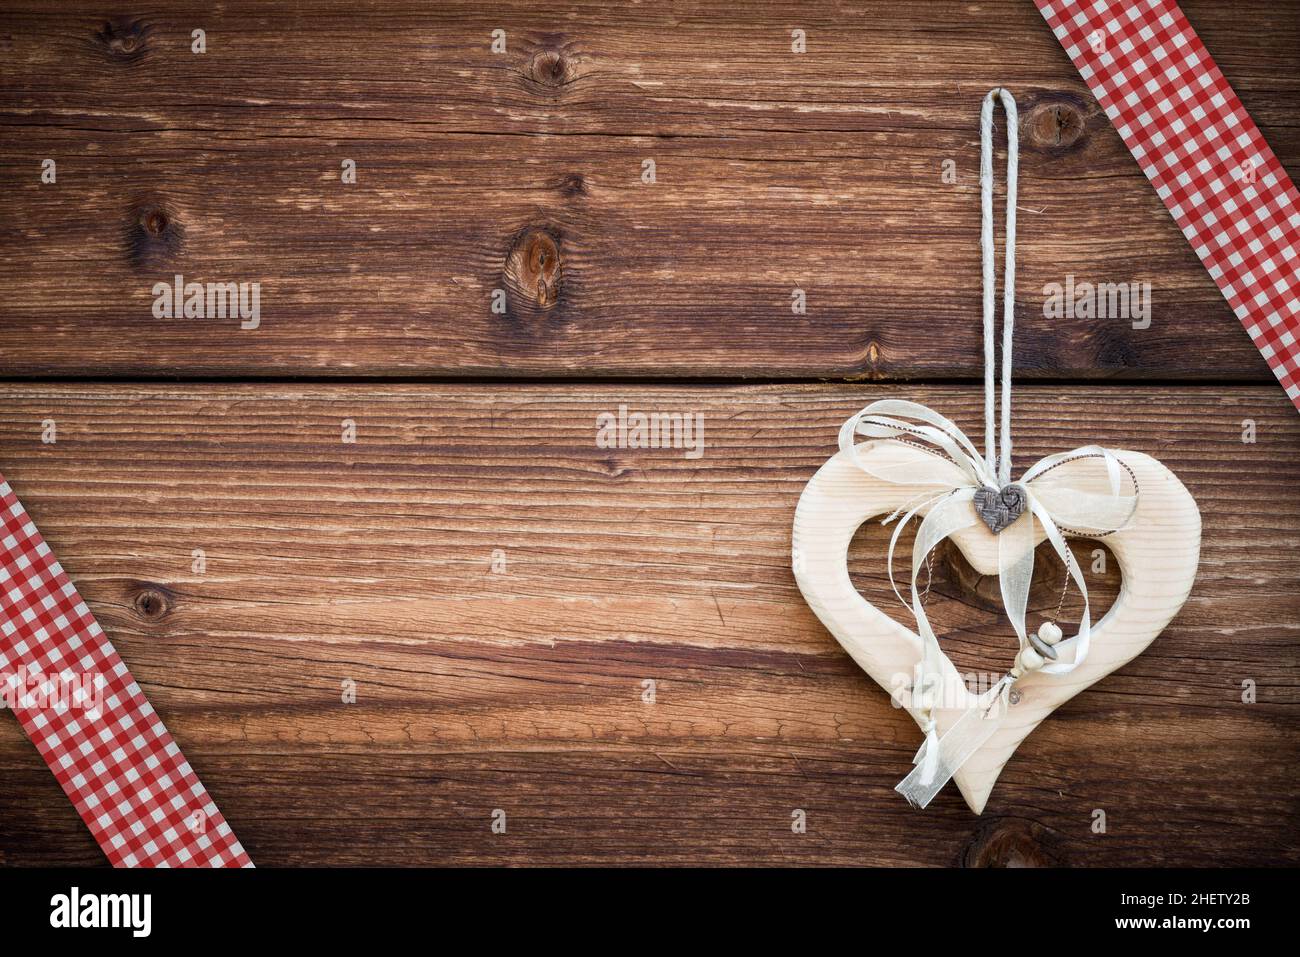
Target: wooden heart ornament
(918,465)
(1157,551)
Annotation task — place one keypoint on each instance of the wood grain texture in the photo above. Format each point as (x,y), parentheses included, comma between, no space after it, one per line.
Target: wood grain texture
(523,691)
(522,171)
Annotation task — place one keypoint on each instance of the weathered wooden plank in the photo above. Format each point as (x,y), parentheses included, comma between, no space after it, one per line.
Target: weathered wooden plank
(523,690)
(521,171)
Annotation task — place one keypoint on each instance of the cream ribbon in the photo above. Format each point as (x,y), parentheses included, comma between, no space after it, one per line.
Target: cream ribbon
(948,507)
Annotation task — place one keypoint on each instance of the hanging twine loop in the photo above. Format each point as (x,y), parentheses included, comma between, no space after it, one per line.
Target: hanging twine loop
(999,465)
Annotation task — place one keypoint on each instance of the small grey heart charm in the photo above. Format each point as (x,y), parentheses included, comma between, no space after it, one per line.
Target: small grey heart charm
(999,508)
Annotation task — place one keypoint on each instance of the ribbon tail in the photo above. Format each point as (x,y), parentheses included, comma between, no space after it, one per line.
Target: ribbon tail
(1016,570)
(1079,643)
(927,759)
(938,760)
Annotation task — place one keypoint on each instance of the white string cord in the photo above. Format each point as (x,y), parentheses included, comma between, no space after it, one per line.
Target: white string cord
(999,464)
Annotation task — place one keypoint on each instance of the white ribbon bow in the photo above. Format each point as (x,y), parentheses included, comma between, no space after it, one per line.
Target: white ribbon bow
(951,508)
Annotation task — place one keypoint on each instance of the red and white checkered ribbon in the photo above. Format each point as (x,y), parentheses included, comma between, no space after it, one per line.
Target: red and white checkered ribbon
(1207,160)
(90,721)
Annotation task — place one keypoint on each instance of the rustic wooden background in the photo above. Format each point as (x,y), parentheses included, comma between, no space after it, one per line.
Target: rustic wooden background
(372,562)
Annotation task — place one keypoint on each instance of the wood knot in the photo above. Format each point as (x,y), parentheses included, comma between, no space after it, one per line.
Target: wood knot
(151,602)
(1012,842)
(156,222)
(153,234)
(123,39)
(533,269)
(550,68)
(573,184)
(1115,347)
(1055,125)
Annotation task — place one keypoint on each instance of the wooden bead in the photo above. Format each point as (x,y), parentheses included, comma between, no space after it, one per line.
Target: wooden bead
(1029,659)
(1050,632)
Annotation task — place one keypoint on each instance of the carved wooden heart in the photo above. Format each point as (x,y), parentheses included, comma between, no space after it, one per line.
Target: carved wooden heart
(1157,552)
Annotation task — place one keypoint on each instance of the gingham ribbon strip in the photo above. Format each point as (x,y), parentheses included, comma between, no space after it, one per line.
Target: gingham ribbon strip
(90,721)
(1207,160)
